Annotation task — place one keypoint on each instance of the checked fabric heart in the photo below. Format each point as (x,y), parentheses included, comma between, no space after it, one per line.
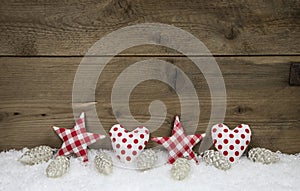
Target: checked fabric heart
(128,145)
(231,143)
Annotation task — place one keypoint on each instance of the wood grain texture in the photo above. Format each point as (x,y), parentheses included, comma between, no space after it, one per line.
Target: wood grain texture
(30,28)
(37,93)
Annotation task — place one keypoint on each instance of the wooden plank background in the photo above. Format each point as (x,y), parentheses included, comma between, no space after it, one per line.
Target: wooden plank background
(63,27)
(43,42)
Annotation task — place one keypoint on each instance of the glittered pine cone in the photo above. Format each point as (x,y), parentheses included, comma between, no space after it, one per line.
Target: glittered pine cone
(104,163)
(146,160)
(58,167)
(181,169)
(216,159)
(37,155)
(263,155)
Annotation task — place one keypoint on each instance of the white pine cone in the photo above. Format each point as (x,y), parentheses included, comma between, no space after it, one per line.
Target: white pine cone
(37,155)
(263,155)
(58,167)
(214,158)
(181,169)
(104,163)
(146,160)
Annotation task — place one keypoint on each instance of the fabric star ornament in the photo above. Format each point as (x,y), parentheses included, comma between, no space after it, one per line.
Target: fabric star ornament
(76,140)
(179,144)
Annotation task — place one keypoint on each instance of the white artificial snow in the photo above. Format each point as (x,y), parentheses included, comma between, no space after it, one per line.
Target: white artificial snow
(245,175)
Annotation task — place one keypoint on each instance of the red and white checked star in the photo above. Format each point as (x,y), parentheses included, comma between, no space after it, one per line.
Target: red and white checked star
(76,140)
(179,144)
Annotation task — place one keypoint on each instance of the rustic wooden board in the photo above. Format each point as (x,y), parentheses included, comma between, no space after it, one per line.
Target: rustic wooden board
(37,93)
(72,27)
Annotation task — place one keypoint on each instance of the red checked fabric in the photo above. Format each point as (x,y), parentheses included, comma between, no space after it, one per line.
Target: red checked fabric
(76,140)
(179,144)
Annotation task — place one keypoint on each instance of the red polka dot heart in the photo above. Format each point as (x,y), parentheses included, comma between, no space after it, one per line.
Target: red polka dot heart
(128,145)
(231,143)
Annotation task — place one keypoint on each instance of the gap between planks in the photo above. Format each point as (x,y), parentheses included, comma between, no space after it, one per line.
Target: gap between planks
(147,55)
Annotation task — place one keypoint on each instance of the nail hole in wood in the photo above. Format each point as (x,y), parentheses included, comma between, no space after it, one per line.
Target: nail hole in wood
(295,74)
(241,109)
(231,34)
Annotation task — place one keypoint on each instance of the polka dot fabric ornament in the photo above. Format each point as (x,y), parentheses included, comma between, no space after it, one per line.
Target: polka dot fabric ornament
(128,145)
(231,143)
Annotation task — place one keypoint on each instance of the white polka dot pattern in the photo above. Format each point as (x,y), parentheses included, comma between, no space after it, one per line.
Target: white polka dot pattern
(128,145)
(231,143)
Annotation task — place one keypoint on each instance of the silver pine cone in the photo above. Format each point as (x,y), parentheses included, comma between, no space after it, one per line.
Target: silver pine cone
(37,155)
(263,155)
(146,160)
(215,159)
(58,167)
(104,163)
(181,169)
